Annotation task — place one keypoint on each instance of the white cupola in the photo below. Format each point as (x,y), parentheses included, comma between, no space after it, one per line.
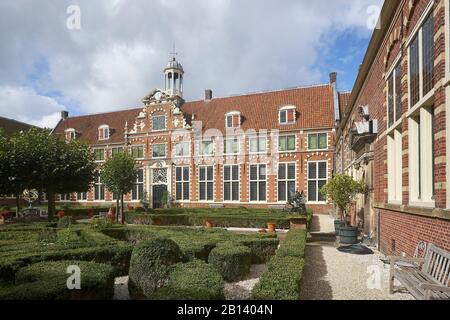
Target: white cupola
(173,78)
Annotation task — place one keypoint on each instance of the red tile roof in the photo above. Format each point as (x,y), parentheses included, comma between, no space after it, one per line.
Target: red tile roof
(87,126)
(344,99)
(260,110)
(10,126)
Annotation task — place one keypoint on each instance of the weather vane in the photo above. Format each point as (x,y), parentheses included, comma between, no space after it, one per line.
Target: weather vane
(173,53)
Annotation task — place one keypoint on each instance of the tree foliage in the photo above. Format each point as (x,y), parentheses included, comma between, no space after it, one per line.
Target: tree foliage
(342,189)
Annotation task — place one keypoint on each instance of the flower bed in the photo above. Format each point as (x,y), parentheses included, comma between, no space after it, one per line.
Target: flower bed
(282,279)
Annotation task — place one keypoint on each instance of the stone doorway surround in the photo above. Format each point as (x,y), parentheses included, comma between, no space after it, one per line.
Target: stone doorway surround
(158,173)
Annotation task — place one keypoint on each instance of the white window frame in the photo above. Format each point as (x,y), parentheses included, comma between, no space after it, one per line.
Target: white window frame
(153,123)
(138,146)
(232,114)
(258,140)
(258,181)
(317,179)
(105,128)
(165,151)
(182,181)
(286,109)
(200,147)
(286,136)
(235,140)
(98,184)
(73,134)
(117,148)
(104,155)
(395,167)
(286,180)
(136,186)
(392,72)
(316,134)
(231,181)
(418,32)
(206,182)
(188,143)
(80,199)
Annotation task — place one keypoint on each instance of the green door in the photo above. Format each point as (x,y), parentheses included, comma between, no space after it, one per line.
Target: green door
(158,192)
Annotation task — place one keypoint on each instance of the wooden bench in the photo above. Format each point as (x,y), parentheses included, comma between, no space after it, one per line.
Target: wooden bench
(425,278)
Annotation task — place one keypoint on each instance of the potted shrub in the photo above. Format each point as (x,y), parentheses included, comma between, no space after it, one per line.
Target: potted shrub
(90,213)
(342,190)
(271,226)
(156,221)
(60,214)
(209,224)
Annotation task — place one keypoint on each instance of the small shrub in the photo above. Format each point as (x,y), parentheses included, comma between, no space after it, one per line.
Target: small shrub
(64,222)
(294,244)
(48,281)
(232,260)
(195,280)
(151,264)
(262,249)
(101,223)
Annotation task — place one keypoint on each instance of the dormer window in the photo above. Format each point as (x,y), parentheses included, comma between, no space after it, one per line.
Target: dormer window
(103,132)
(233,120)
(287,115)
(70,134)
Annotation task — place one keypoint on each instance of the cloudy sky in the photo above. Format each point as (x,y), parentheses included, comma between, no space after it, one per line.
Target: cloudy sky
(117,55)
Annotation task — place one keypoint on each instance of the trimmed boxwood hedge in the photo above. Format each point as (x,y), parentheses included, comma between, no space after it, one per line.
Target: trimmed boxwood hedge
(195,280)
(282,279)
(232,260)
(151,264)
(48,281)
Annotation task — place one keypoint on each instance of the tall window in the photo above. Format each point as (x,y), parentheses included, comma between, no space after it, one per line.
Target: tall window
(99,188)
(231,146)
(159,151)
(231,183)
(82,196)
(258,144)
(395,166)
(138,188)
(137,152)
(286,143)
(317,141)
(286,181)
(66,197)
(317,178)
(394,95)
(421,65)
(99,154)
(206,148)
(103,133)
(159,123)
(182,183)
(258,182)
(206,183)
(287,115)
(182,149)
(117,150)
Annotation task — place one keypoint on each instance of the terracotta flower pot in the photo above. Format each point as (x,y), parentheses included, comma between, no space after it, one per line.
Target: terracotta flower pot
(90,213)
(61,214)
(209,224)
(271,226)
(156,222)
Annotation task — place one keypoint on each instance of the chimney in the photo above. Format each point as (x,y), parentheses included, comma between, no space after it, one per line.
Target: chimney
(333,78)
(64,115)
(208,95)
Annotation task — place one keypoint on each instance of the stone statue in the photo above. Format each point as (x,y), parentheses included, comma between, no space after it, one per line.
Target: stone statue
(298,203)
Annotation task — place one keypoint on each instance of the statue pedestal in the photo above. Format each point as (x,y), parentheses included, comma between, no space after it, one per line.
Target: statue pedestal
(298,223)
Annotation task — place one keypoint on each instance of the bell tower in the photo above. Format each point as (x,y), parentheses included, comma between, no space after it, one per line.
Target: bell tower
(173,78)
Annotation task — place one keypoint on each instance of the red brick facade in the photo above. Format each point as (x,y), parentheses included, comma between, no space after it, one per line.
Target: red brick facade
(411,218)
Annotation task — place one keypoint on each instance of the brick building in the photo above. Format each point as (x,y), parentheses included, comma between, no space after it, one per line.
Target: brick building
(395,131)
(251,150)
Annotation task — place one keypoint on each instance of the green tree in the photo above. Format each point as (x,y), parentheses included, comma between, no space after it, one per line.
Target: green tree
(342,190)
(119,174)
(48,163)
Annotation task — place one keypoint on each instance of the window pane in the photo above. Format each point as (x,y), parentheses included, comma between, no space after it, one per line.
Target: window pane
(414,71)
(235,191)
(312,168)
(323,143)
(227,191)
(253,145)
(262,172)
(186,191)
(312,191)
(291,143)
(291,189)
(202,174)
(186,174)
(281,191)
(227,173)
(253,172)
(321,184)
(159,123)
(210,191)
(140,177)
(235,172)
(262,145)
(282,144)
(253,191)
(398,99)
(312,141)
(202,190)
(262,191)
(179,188)
(283,118)
(291,172)
(428,54)
(282,172)
(210,173)
(229,121)
(322,170)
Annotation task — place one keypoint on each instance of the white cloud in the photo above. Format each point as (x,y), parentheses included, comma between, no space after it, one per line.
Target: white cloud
(24,104)
(122,47)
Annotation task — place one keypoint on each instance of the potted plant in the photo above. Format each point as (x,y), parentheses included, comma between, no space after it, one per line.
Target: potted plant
(209,224)
(90,213)
(271,226)
(342,190)
(60,214)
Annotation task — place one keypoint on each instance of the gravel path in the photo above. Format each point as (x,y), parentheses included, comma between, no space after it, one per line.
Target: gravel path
(121,289)
(242,290)
(330,274)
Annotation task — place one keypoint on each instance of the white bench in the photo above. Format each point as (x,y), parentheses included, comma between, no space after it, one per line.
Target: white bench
(425,278)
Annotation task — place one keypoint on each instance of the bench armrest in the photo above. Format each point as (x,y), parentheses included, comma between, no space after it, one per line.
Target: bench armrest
(394,260)
(435,287)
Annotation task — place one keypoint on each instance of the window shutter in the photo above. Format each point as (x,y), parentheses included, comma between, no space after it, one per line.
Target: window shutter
(291,115)
(236,120)
(100,134)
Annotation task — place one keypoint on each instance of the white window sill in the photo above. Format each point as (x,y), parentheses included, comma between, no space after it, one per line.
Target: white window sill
(422,204)
(395,202)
